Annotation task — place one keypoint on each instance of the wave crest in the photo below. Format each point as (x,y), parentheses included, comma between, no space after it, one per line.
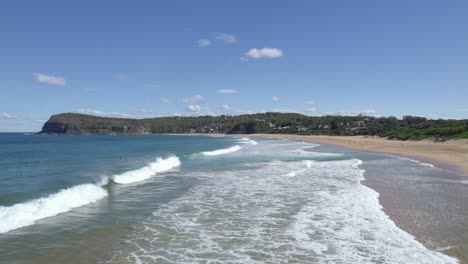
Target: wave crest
(160,165)
(222,151)
(246,140)
(27,213)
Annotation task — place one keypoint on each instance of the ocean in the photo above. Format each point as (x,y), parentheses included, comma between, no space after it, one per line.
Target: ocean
(221,199)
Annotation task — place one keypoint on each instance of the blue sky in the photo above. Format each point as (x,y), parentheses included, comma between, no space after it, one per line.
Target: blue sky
(163,58)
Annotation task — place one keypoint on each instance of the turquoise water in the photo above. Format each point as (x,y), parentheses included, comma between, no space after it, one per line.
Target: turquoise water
(192,199)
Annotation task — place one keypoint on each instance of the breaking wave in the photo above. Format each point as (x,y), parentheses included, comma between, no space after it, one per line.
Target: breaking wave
(27,213)
(160,165)
(246,140)
(222,151)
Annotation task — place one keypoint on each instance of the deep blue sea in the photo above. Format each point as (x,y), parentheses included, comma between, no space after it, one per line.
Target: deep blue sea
(214,199)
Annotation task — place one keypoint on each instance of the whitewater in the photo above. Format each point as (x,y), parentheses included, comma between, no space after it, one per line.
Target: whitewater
(27,213)
(295,208)
(182,199)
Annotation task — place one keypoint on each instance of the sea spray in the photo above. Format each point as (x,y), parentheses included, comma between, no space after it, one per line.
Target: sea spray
(160,165)
(27,213)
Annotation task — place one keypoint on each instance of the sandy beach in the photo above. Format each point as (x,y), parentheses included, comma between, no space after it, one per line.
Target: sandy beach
(453,152)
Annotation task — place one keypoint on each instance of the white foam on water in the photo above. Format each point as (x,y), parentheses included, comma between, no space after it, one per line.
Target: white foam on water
(304,152)
(222,151)
(27,213)
(308,164)
(146,172)
(251,213)
(255,215)
(246,140)
(356,227)
(415,161)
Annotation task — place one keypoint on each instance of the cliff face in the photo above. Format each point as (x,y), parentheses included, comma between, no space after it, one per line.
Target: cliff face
(85,124)
(54,128)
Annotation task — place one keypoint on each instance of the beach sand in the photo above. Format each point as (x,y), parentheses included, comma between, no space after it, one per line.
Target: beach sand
(449,155)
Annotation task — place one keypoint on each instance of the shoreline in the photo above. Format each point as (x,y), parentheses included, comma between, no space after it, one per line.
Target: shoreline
(450,155)
(400,150)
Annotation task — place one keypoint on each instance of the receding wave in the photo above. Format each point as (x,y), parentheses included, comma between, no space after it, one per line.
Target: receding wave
(222,151)
(160,165)
(415,161)
(27,213)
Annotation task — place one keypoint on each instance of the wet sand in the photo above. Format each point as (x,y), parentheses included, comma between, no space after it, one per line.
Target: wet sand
(449,155)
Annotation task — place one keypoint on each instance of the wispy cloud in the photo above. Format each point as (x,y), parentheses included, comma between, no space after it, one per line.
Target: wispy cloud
(194,99)
(6,116)
(276,99)
(226,38)
(366,112)
(262,53)
(166,101)
(121,77)
(310,110)
(88,111)
(227,91)
(151,86)
(223,107)
(49,79)
(203,43)
(193,108)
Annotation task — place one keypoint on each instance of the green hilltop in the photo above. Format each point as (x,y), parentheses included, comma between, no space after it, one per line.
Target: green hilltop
(409,127)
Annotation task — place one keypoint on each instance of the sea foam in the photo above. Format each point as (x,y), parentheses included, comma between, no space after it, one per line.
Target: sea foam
(246,140)
(27,213)
(160,165)
(322,215)
(222,151)
(415,161)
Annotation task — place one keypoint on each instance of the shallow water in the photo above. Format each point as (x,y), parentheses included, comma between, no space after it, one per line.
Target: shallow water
(265,201)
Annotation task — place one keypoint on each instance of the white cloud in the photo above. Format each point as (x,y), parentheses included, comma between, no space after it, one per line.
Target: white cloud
(146,113)
(41,121)
(226,38)
(310,102)
(276,99)
(311,110)
(151,85)
(227,91)
(194,99)
(366,112)
(87,111)
(166,101)
(193,108)
(121,77)
(6,116)
(223,106)
(50,80)
(262,53)
(202,43)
